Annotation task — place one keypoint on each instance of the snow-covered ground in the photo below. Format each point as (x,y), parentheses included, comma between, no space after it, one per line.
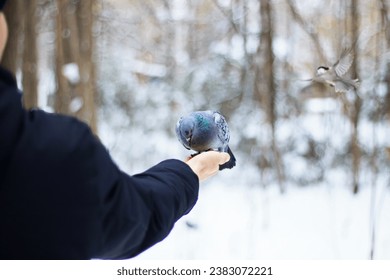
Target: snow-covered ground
(239,222)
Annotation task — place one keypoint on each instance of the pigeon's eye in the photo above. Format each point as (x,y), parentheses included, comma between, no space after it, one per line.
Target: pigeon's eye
(187,132)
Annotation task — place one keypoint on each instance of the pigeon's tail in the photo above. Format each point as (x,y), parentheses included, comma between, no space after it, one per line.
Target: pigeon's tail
(231,163)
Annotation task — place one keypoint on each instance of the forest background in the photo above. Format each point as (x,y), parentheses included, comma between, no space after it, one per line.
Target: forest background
(131,68)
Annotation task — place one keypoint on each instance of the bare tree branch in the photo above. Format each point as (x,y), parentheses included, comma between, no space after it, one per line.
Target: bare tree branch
(228,16)
(306,27)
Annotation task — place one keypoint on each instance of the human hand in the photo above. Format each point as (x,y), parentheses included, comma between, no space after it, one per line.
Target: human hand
(207,164)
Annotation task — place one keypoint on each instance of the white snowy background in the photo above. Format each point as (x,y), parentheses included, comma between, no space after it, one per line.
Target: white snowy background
(241,213)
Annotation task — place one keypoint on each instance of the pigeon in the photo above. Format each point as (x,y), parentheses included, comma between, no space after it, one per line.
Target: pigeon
(204,131)
(334,75)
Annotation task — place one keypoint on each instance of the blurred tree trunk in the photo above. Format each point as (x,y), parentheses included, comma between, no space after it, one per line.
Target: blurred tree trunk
(87,66)
(74,61)
(264,88)
(170,31)
(21,51)
(384,10)
(238,26)
(246,63)
(63,94)
(312,33)
(357,102)
(14,15)
(30,58)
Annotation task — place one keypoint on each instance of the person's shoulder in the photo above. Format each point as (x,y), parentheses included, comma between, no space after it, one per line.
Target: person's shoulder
(48,117)
(57,132)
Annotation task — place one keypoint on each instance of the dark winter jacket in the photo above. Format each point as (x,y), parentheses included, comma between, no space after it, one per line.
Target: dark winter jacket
(63,197)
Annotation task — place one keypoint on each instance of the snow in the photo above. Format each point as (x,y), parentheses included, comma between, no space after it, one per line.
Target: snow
(322,105)
(241,222)
(76,104)
(71,72)
(280,48)
(179,10)
(148,69)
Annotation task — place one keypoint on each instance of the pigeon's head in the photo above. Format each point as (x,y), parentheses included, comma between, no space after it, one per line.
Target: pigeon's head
(184,130)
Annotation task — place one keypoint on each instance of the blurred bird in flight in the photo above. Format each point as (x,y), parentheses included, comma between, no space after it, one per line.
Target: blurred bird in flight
(335,75)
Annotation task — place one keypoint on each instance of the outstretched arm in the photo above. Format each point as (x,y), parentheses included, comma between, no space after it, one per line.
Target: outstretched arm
(141,210)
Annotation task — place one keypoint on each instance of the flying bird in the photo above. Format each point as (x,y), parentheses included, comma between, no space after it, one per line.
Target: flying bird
(204,131)
(335,75)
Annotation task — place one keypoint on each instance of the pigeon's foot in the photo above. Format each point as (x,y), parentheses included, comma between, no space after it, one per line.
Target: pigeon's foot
(231,163)
(194,155)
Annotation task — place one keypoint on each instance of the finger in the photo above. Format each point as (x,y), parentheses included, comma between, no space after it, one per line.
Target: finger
(225,157)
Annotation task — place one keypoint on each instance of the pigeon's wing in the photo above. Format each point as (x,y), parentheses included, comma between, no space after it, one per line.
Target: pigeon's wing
(180,136)
(344,63)
(223,129)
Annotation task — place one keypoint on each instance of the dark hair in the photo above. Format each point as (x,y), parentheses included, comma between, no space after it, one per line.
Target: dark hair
(2,3)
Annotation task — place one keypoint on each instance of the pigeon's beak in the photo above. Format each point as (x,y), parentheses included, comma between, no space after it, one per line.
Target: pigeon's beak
(189,140)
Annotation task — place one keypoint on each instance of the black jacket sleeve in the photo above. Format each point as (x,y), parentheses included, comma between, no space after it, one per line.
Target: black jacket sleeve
(141,210)
(63,197)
